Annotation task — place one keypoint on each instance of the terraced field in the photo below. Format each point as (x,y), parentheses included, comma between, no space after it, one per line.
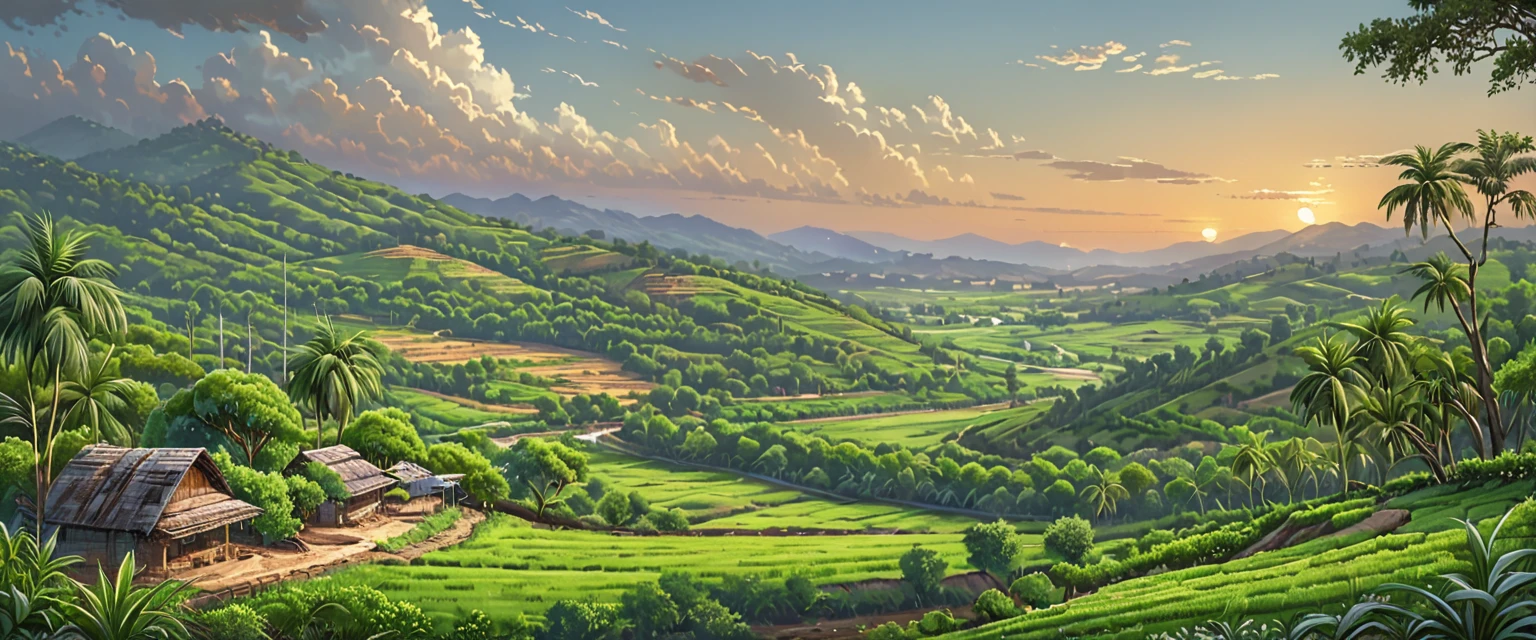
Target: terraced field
(913,430)
(397,264)
(509,568)
(581,260)
(1323,573)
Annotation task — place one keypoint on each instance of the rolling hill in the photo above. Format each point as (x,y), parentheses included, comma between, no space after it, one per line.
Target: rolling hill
(71,137)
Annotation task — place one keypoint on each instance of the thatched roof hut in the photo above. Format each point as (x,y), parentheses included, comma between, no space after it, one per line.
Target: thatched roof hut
(418,481)
(364,481)
(162,498)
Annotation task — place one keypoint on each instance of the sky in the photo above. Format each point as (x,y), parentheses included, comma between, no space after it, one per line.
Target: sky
(1118,125)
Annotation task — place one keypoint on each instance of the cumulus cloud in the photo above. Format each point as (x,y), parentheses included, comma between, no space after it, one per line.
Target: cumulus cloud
(109,82)
(1127,168)
(297,18)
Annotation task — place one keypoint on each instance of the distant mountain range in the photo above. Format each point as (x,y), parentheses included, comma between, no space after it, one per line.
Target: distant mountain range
(72,137)
(695,234)
(814,253)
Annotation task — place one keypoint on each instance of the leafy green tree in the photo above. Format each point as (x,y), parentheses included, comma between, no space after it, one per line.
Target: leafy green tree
(246,409)
(923,570)
(1136,478)
(650,610)
(579,620)
(334,374)
(1457,34)
(545,469)
(305,494)
(1070,537)
(1279,328)
(699,444)
(266,490)
(386,437)
(1034,590)
(481,480)
(614,508)
(327,479)
(54,300)
(993,547)
(667,519)
(1011,380)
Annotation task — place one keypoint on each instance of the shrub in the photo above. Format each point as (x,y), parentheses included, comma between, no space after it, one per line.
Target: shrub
(992,606)
(266,490)
(397,494)
(667,519)
(1034,590)
(993,547)
(923,569)
(1070,537)
(233,622)
(328,479)
(938,622)
(305,495)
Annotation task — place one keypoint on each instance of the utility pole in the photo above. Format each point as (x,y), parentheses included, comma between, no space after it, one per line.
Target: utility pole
(248,342)
(285,319)
(221,334)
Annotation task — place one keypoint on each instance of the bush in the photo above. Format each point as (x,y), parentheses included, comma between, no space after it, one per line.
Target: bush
(993,547)
(923,569)
(233,622)
(992,606)
(328,479)
(305,495)
(1070,537)
(667,519)
(937,623)
(1034,590)
(615,509)
(397,494)
(266,490)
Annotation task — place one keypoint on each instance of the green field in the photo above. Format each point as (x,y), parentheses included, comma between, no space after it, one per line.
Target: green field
(397,264)
(444,410)
(913,430)
(724,500)
(1326,572)
(508,567)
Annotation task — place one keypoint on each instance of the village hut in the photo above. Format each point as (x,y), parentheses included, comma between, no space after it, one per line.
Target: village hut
(418,481)
(171,507)
(365,484)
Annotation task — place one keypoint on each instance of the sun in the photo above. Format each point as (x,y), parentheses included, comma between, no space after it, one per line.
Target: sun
(1209,234)
(1306,215)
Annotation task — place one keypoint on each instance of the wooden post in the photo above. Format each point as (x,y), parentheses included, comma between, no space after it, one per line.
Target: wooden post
(165,558)
(226,534)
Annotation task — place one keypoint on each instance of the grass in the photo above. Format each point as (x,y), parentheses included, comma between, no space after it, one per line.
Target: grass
(424,530)
(914,430)
(508,567)
(1327,572)
(723,500)
(1092,340)
(396,264)
(443,409)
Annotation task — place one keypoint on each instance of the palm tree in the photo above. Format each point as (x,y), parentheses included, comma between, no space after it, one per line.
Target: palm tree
(55,300)
(1382,340)
(1105,493)
(1450,393)
(1252,461)
(114,609)
(1393,416)
(1327,393)
(334,374)
(99,400)
(1292,460)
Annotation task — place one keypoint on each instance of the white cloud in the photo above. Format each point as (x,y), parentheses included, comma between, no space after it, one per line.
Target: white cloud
(593,15)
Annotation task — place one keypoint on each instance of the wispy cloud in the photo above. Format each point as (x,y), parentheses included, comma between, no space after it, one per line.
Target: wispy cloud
(1127,168)
(593,16)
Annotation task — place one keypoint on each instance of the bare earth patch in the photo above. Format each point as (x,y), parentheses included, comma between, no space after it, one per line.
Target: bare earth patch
(582,372)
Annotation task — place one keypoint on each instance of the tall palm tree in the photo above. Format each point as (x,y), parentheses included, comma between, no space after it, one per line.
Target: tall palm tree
(1382,340)
(54,300)
(1432,191)
(1495,163)
(99,400)
(1328,393)
(1105,493)
(334,374)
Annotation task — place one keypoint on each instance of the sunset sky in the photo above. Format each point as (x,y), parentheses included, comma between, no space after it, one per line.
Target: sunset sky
(1124,125)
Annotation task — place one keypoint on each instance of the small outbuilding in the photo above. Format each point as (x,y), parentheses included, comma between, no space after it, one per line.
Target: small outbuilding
(420,482)
(365,483)
(171,507)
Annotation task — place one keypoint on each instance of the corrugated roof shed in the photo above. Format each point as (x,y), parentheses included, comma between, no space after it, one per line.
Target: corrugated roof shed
(407,471)
(359,475)
(116,489)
